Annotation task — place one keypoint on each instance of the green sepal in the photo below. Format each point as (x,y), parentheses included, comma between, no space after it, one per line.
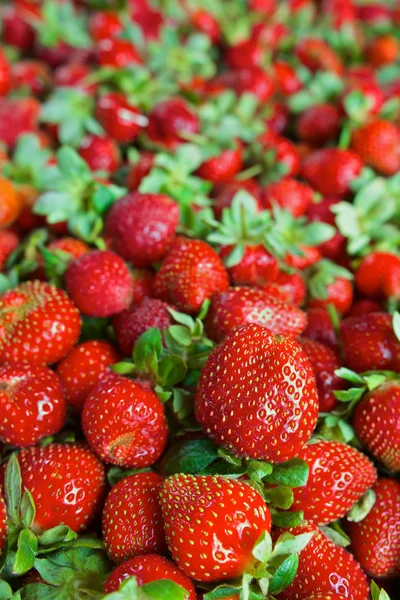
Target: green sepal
(26,552)
(378,593)
(5,590)
(286,519)
(162,589)
(292,473)
(12,488)
(396,324)
(190,457)
(284,574)
(221,592)
(257,470)
(57,535)
(280,497)
(27,509)
(262,549)
(336,534)
(291,544)
(147,351)
(362,507)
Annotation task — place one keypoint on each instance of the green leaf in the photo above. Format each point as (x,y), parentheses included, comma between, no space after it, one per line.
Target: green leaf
(5,590)
(53,573)
(171,370)
(222,591)
(349,395)
(362,507)
(335,533)
(281,497)
(292,473)
(378,593)
(164,589)
(61,533)
(28,509)
(147,350)
(349,375)
(263,548)
(258,469)
(182,318)
(291,544)
(12,488)
(182,403)
(190,457)
(284,574)
(26,552)
(287,519)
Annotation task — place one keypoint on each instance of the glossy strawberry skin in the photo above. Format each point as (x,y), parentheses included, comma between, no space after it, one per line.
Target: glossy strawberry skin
(319,124)
(288,287)
(330,171)
(100,283)
(124,422)
(143,280)
(139,170)
(211,524)
(290,194)
(40,325)
(67,484)
(338,476)
(256,267)
(17,116)
(31,74)
(81,368)
(5,75)
(237,306)
(117,52)
(378,275)
(254,80)
(223,167)
(190,273)
(375,541)
(132,521)
(170,121)
(245,402)
(376,423)
(377,143)
(141,227)
(101,153)
(104,25)
(121,120)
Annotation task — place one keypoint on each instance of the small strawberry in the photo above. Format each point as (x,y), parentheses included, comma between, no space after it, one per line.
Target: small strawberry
(32,403)
(377,143)
(9,241)
(67,484)
(17,30)
(316,55)
(101,153)
(257,395)
(104,25)
(124,422)
(363,307)
(375,541)
(223,167)
(211,525)
(254,80)
(170,121)
(3,524)
(338,476)
(319,124)
(74,75)
(10,204)
(17,116)
(282,154)
(116,52)
(139,170)
(378,275)
(205,22)
(288,193)
(237,306)
(38,324)
(383,50)
(31,74)
(287,81)
(257,266)
(375,421)
(330,171)
(132,521)
(119,118)
(82,367)
(320,328)
(100,283)
(190,273)
(338,293)
(141,227)
(288,287)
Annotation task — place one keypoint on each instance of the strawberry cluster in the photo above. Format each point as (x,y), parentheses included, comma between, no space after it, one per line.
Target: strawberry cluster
(199,293)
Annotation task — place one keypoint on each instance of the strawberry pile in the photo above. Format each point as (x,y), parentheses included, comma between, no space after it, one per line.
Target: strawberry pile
(199,295)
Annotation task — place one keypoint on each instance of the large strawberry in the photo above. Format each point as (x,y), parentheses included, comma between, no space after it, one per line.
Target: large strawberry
(330,170)
(38,324)
(121,120)
(211,525)
(132,521)
(257,395)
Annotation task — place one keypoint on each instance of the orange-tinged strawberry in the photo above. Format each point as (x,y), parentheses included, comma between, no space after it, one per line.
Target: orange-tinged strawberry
(10,205)
(316,54)
(383,50)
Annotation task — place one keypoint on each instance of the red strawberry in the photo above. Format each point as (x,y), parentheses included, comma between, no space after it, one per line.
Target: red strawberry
(325,568)
(38,324)
(132,520)
(82,367)
(104,25)
(369,343)
(17,30)
(141,227)
(32,403)
(376,423)
(330,170)
(285,152)
(100,283)
(31,74)
(116,52)
(130,324)
(383,50)
(223,167)
(254,80)
(245,54)
(5,75)
(375,541)
(17,116)
(339,294)
(119,118)
(190,273)
(324,363)
(257,395)
(309,256)
(286,78)
(290,194)
(139,170)
(205,22)
(101,153)
(3,524)
(316,55)
(278,117)
(369,90)
(335,248)
(237,306)
(288,287)
(338,476)
(319,124)
(67,484)
(124,422)
(363,307)
(170,121)
(378,275)
(69,245)
(211,525)
(256,267)
(320,328)
(74,75)
(377,143)
(143,280)
(9,241)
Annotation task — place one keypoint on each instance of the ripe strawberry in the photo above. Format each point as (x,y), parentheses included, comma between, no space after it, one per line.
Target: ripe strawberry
(257,395)
(278,118)
(377,143)
(9,241)
(141,227)
(124,422)
(288,287)
(119,118)
(131,323)
(285,152)
(237,306)
(325,568)
(338,476)
(254,80)
(142,280)
(139,170)
(309,256)
(324,363)
(75,248)
(289,194)
(101,153)
(330,171)
(17,30)
(67,484)
(375,421)
(369,90)
(339,294)
(10,204)
(375,541)
(383,50)
(5,75)
(31,74)
(116,52)
(211,525)
(104,25)
(82,367)
(223,167)
(256,267)
(3,524)
(363,307)
(245,54)
(316,55)
(319,124)
(132,521)
(100,284)
(17,116)
(320,328)
(378,275)
(287,82)
(335,248)
(74,75)
(38,324)
(205,22)
(190,273)
(369,343)
(32,403)
(170,121)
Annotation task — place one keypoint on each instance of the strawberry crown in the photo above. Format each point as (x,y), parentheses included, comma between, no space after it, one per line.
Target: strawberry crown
(320,88)
(61,22)
(324,273)
(28,160)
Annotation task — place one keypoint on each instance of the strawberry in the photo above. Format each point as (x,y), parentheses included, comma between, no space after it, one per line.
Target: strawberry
(119,118)
(288,287)
(339,293)
(320,328)
(124,422)
(375,422)
(324,363)
(116,52)
(316,55)
(82,367)
(371,94)
(190,273)
(319,124)
(38,324)
(31,74)
(3,524)
(75,248)
(325,568)
(223,167)
(32,403)
(139,170)
(335,248)
(363,307)
(10,205)
(245,54)
(377,143)
(17,30)
(146,569)
(286,78)
(288,193)
(375,541)
(5,75)
(256,267)
(330,170)
(9,241)
(67,484)
(369,343)
(131,323)
(100,152)
(283,153)
(104,25)
(338,476)
(170,121)
(17,116)
(100,283)
(132,521)
(205,22)
(211,525)
(254,80)
(224,193)
(141,227)
(270,419)
(142,280)
(378,275)
(383,50)
(237,306)
(74,75)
